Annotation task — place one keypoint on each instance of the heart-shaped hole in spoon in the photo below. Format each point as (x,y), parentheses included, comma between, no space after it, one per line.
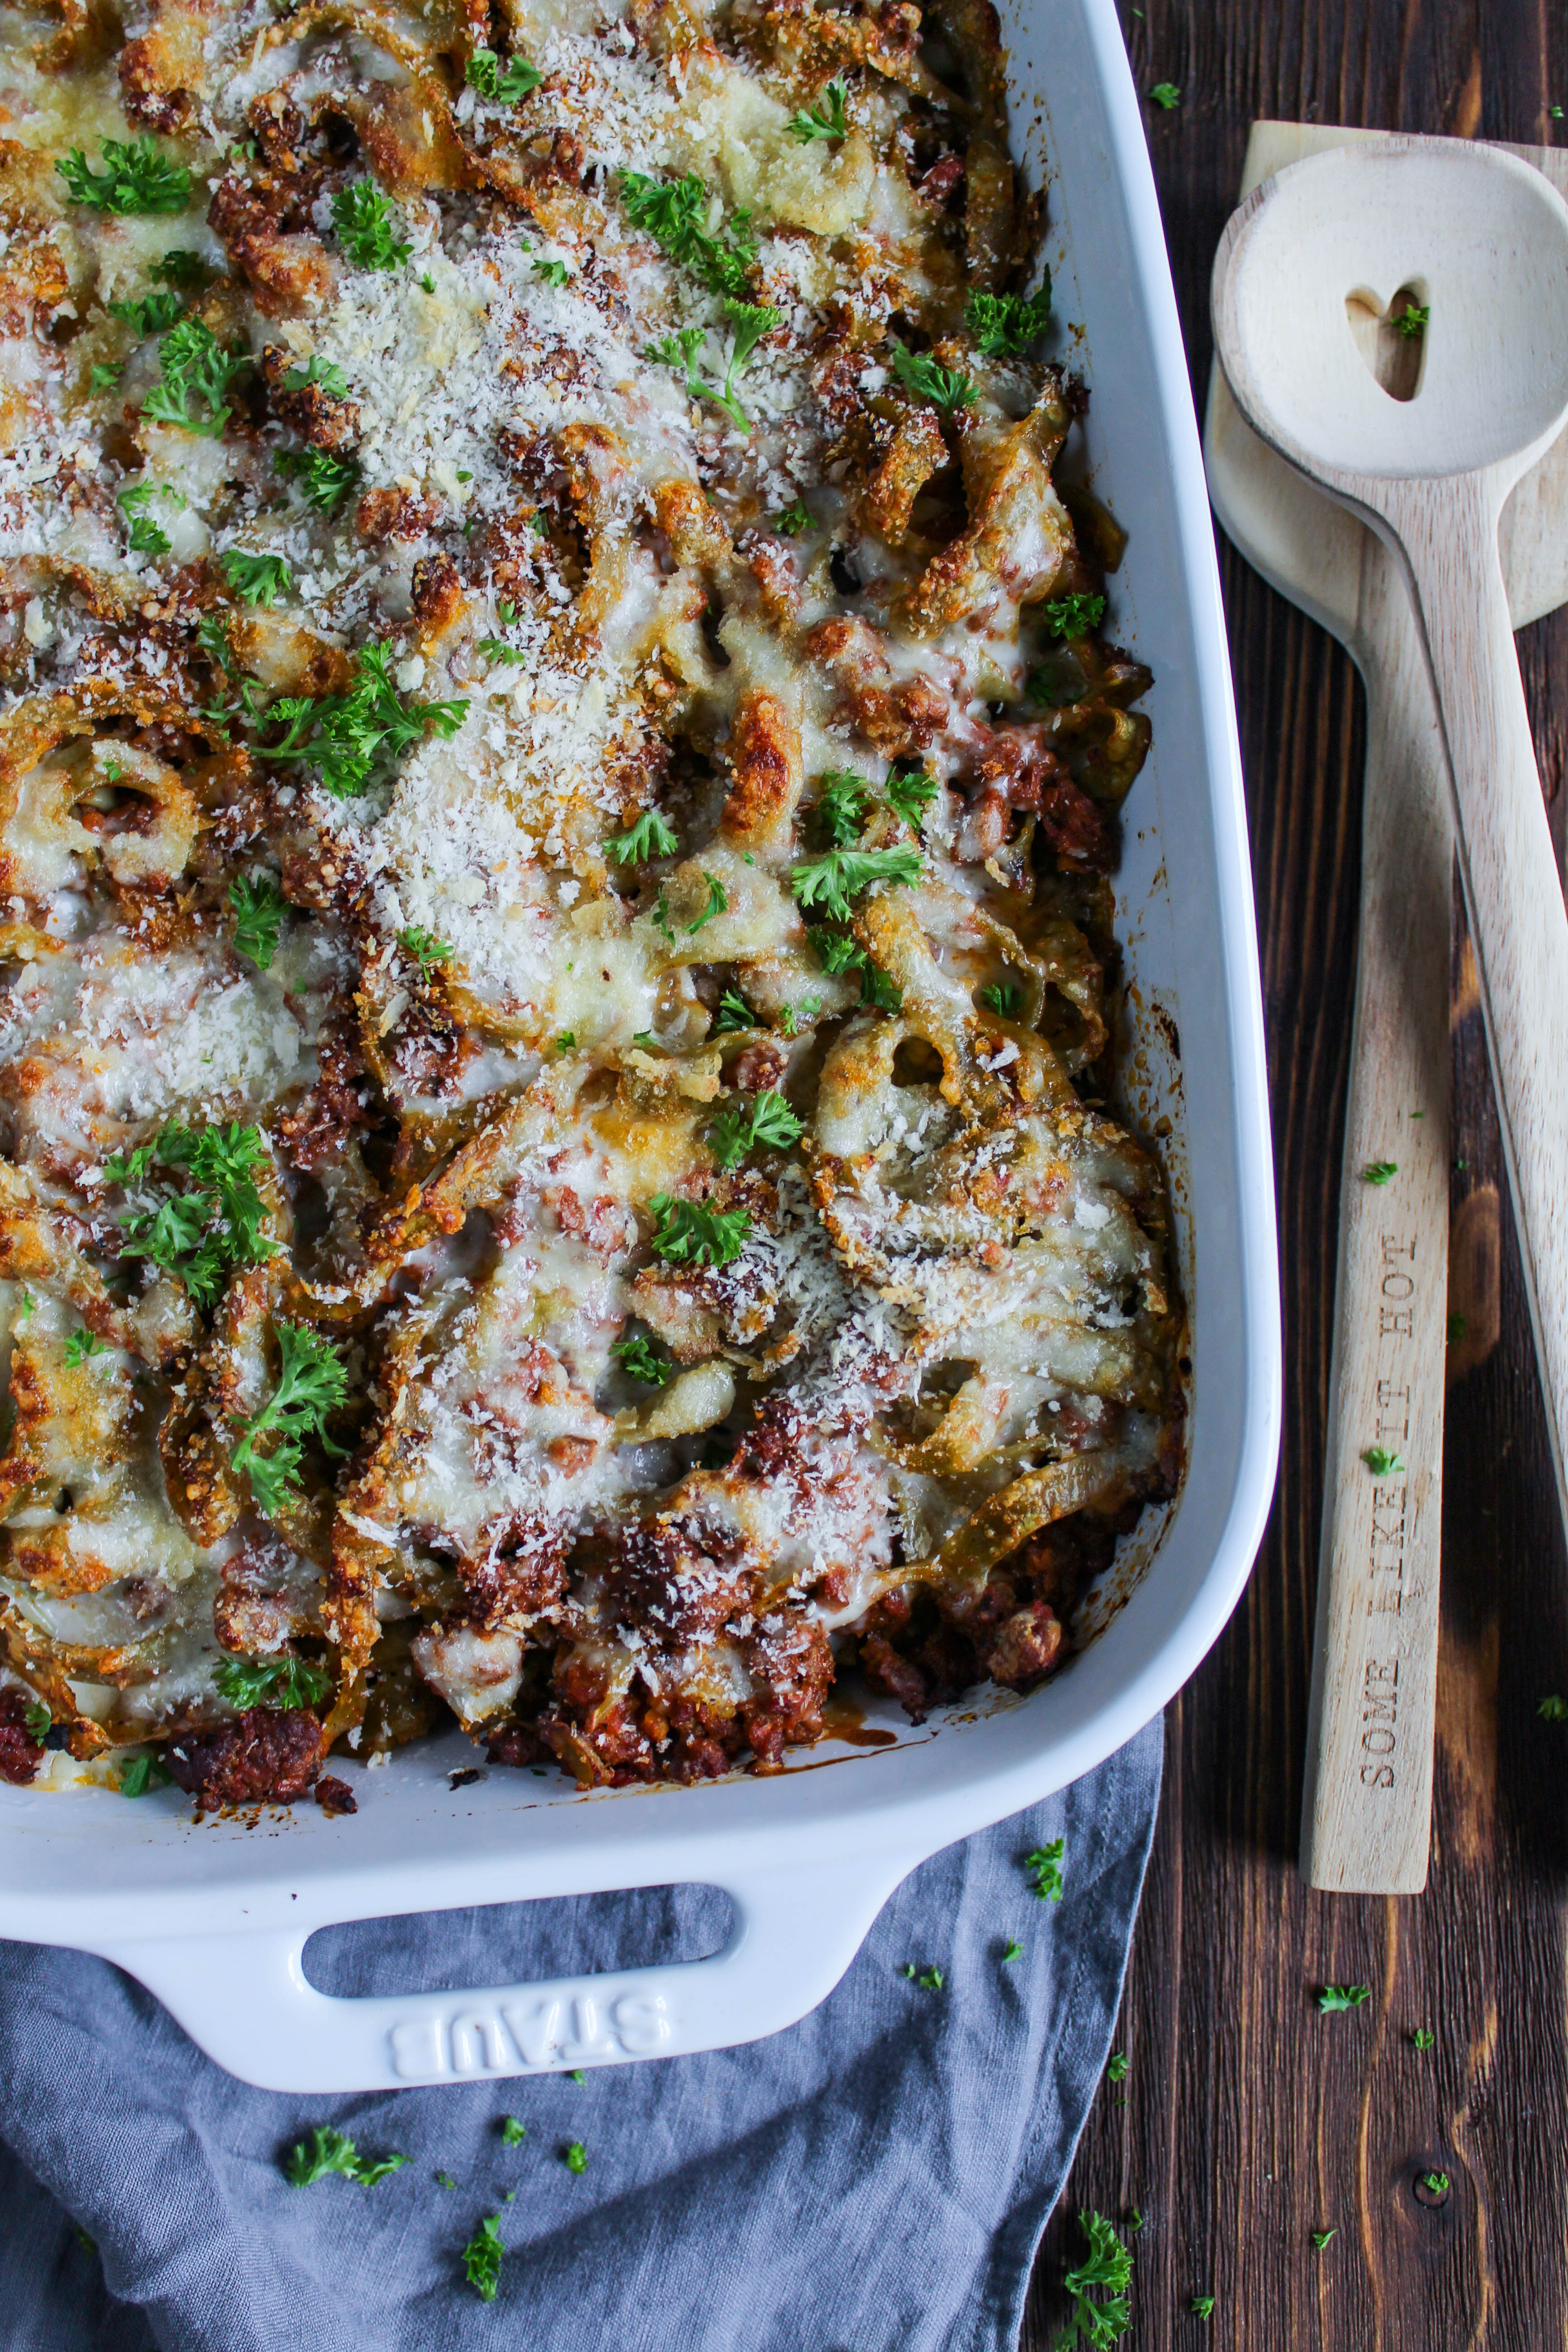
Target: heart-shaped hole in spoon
(1391,338)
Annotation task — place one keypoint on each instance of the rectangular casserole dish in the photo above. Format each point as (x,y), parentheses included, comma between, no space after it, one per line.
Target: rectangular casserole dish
(214,1919)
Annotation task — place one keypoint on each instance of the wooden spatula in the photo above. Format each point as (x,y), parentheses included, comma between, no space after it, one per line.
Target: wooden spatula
(1367,1814)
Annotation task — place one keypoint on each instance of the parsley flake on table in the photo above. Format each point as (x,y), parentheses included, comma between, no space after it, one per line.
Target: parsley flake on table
(1423,2038)
(1165,94)
(690,1232)
(768,1122)
(1553,1708)
(1320,2238)
(362,219)
(312,1385)
(929,1980)
(138,178)
(1012,1950)
(483,2258)
(1106,2269)
(81,1345)
(1201,2306)
(284,1683)
(506,83)
(1436,2183)
(821,121)
(1458,1326)
(258,906)
(142,1773)
(1378,1171)
(1336,1997)
(513,2132)
(1414,319)
(1002,326)
(1116,2067)
(329,2151)
(1381,1462)
(1045,1869)
(576,2157)
(945,388)
(576,2075)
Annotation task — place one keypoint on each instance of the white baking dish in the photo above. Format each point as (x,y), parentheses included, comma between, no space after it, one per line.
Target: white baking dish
(215,1917)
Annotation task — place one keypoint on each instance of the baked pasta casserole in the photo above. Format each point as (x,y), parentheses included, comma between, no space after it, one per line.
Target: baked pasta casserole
(559,765)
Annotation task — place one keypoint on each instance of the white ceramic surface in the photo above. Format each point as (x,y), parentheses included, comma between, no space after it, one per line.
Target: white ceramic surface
(214,1919)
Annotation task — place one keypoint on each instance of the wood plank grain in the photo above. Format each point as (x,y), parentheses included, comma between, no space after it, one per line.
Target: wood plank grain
(1249,2120)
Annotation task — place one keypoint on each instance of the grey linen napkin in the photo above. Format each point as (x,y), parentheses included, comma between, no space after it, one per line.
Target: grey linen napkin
(874,2179)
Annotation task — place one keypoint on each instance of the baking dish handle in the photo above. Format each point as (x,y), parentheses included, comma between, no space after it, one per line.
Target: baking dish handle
(246,1999)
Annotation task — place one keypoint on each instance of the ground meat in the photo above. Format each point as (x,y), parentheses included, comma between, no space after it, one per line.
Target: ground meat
(324,422)
(791,1659)
(393,514)
(507,1585)
(437,595)
(516,1744)
(20,1753)
(336,1796)
(337,1102)
(1025,1648)
(661,1585)
(267,1756)
(888,1670)
(759,1069)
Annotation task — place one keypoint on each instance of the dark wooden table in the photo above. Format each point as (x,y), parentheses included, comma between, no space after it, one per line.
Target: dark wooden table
(1246,2120)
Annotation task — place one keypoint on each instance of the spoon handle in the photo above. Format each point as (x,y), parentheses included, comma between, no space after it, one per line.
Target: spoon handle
(1449,533)
(1368,1812)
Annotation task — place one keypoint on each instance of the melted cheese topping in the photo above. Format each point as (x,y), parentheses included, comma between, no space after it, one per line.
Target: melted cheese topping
(406,492)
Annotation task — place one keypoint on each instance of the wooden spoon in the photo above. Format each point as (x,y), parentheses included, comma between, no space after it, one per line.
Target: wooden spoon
(1480,242)
(1366,1811)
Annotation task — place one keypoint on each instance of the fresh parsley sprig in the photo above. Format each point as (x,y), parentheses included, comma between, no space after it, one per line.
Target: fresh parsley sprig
(692,1232)
(879,991)
(324,478)
(643,1360)
(351,735)
(910,792)
(766,1122)
(285,1682)
(751,321)
(427,951)
(945,388)
(650,836)
(1337,1997)
(147,314)
(362,219)
(182,267)
(138,178)
(507,83)
(822,122)
(1381,1462)
(675,214)
(144,537)
(144,1772)
(1074,615)
(842,801)
(792,519)
(833,882)
(82,1346)
(193,366)
(312,1385)
(257,579)
(202,1235)
(1002,996)
(327,373)
(1004,325)
(328,2151)
(733,1012)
